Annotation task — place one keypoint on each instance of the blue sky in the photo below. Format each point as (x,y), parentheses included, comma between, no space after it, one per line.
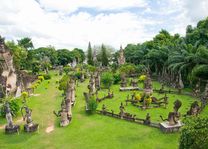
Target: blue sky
(73,23)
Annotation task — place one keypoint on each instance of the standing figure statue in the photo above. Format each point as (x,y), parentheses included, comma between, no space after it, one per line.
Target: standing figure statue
(122,113)
(10,127)
(29,126)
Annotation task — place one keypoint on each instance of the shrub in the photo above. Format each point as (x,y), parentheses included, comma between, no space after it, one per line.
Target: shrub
(138,96)
(107,79)
(67,69)
(14,106)
(142,77)
(194,134)
(41,78)
(128,69)
(148,100)
(92,106)
(47,76)
(24,95)
(78,74)
(116,78)
(38,82)
(63,83)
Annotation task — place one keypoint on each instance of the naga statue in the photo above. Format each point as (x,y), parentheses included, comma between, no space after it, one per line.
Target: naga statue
(173,117)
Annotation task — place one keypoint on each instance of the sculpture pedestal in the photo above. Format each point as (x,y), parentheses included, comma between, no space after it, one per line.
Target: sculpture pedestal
(10,130)
(31,128)
(166,128)
(65,122)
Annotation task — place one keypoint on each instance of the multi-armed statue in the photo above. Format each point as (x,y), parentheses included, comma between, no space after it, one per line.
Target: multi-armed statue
(29,126)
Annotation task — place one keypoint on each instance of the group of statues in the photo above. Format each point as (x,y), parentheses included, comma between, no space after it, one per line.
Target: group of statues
(66,106)
(94,83)
(124,82)
(26,112)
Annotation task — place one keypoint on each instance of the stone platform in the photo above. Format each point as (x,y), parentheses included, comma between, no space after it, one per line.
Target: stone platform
(31,128)
(166,128)
(129,88)
(11,130)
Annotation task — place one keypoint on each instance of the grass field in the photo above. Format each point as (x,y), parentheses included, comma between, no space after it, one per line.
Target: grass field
(94,131)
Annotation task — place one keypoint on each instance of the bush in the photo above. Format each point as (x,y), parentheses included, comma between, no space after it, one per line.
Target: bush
(63,83)
(107,79)
(194,134)
(41,78)
(24,95)
(92,106)
(67,69)
(47,76)
(14,106)
(138,96)
(128,69)
(116,78)
(78,74)
(38,82)
(148,100)
(142,77)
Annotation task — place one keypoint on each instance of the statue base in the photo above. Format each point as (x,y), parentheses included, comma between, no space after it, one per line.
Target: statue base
(166,128)
(31,128)
(10,130)
(66,122)
(130,89)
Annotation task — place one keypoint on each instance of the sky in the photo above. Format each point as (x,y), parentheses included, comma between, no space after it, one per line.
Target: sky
(73,23)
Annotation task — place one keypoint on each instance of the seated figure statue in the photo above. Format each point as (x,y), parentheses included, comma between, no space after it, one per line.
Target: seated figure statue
(10,127)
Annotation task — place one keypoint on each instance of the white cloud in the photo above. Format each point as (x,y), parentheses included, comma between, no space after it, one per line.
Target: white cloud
(69,6)
(64,29)
(76,30)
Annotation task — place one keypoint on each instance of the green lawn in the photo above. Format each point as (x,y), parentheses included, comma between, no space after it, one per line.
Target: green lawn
(93,131)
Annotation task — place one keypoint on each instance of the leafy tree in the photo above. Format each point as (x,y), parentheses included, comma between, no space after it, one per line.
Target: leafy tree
(104,57)
(79,54)
(107,79)
(64,57)
(19,54)
(35,67)
(26,43)
(194,134)
(89,55)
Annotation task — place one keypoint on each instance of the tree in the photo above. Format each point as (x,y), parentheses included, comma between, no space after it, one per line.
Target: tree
(26,43)
(64,57)
(35,67)
(194,134)
(104,57)
(19,54)
(89,55)
(79,54)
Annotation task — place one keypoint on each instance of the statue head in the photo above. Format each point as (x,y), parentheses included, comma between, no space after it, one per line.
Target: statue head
(177,105)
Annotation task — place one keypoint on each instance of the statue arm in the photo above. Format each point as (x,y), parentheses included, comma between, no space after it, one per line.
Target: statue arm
(57,114)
